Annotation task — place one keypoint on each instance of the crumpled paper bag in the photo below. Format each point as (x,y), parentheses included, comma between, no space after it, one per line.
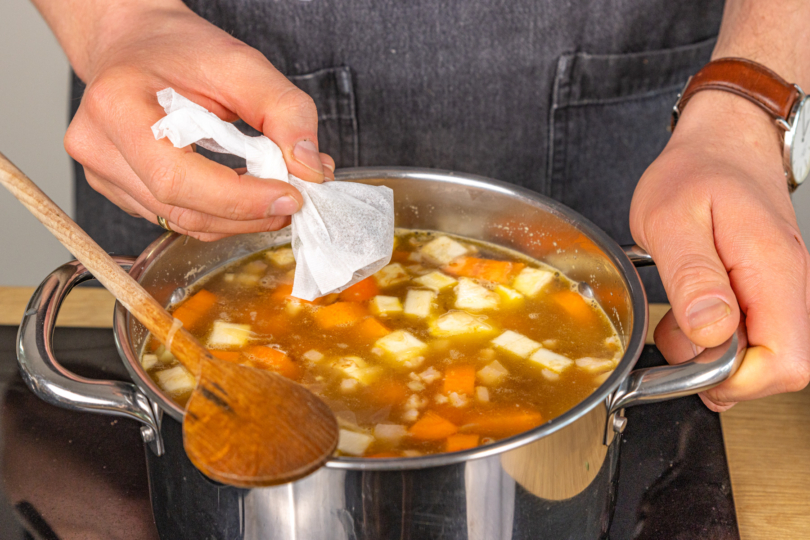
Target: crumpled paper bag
(342,234)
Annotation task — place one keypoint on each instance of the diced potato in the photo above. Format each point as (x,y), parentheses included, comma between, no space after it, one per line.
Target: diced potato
(471,295)
(596,365)
(391,433)
(402,345)
(164,355)
(602,377)
(435,281)
(551,360)
(312,355)
(356,368)
(353,443)
(391,275)
(509,296)
(515,343)
(347,386)
(482,394)
(385,305)
(176,380)
(442,250)
(415,256)
(148,361)
(227,334)
(550,375)
(417,270)
(456,323)
(229,278)
(281,257)
(293,306)
(256,268)
(492,374)
(248,280)
(531,281)
(418,303)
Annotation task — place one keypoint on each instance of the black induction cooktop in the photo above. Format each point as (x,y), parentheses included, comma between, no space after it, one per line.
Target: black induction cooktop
(69,475)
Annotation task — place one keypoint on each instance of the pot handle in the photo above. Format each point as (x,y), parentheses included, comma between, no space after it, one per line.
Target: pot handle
(704,371)
(53,383)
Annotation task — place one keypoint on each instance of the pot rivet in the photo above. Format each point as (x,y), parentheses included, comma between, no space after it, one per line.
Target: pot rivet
(619,423)
(147,434)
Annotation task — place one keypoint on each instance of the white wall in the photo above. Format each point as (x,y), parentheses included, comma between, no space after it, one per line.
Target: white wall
(34,80)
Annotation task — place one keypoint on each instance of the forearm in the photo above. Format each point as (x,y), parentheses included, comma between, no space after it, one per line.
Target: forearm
(774,33)
(84,27)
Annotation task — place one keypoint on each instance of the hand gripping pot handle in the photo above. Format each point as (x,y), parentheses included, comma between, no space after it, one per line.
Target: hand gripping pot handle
(53,383)
(704,371)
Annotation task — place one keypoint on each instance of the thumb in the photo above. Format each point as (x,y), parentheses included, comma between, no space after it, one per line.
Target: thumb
(264,98)
(696,281)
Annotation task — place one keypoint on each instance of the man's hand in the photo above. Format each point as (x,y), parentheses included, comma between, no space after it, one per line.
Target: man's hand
(126,51)
(714,212)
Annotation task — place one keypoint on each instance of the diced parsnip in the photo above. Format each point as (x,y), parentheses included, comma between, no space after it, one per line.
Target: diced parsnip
(510,297)
(492,374)
(256,268)
(385,305)
(348,386)
(391,275)
(471,295)
(227,334)
(312,355)
(531,281)
(248,280)
(550,375)
(551,360)
(442,250)
(418,269)
(281,257)
(602,377)
(390,433)
(482,394)
(164,355)
(148,361)
(353,443)
(293,306)
(456,323)
(356,368)
(515,343)
(176,380)
(596,365)
(435,281)
(418,303)
(414,256)
(229,278)
(430,375)
(402,345)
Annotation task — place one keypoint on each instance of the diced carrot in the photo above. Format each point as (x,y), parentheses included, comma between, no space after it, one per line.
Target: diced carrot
(340,314)
(191,312)
(361,291)
(382,455)
(459,379)
(269,322)
(387,392)
(496,271)
(370,330)
(502,423)
(227,356)
(400,256)
(461,441)
(281,293)
(432,427)
(273,360)
(575,305)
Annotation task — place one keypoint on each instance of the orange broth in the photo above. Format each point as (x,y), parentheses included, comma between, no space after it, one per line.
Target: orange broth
(453,345)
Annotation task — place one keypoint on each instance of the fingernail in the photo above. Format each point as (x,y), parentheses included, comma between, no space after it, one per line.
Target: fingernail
(284,206)
(707,312)
(328,165)
(696,349)
(306,153)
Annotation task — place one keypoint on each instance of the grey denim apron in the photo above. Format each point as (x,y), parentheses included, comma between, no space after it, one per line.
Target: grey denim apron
(569,98)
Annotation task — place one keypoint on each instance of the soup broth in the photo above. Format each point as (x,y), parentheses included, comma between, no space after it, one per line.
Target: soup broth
(452,345)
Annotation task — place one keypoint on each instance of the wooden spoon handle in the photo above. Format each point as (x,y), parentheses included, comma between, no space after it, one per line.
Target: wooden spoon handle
(126,290)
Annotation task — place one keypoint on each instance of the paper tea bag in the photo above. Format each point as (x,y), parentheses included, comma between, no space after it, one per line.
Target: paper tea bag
(343,233)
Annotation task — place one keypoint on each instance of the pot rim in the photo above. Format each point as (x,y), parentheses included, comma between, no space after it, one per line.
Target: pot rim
(601,395)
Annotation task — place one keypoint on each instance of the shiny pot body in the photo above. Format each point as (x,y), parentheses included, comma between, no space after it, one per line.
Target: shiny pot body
(555,481)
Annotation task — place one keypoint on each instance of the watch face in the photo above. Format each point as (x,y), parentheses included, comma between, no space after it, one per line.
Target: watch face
(800,143)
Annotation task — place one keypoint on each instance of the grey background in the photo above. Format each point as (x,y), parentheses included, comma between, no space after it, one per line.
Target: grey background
(34,78)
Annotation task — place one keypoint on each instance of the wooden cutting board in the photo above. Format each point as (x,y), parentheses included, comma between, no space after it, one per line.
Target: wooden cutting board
(767,441)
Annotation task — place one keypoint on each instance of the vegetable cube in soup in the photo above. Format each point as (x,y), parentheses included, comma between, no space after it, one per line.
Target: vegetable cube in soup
(453,345)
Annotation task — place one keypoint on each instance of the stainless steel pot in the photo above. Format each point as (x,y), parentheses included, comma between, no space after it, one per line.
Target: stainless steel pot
(555,481)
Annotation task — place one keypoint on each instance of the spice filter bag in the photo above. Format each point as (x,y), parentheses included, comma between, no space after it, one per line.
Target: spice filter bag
(343,233)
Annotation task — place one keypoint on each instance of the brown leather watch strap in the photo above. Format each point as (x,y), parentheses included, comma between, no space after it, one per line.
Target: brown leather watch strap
(744,78)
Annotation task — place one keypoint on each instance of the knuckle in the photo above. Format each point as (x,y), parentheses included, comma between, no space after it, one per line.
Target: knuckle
(693,274)
(166,183)
(297,104)
(77,141)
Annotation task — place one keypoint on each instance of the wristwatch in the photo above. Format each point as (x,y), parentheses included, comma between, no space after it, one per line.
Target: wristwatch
(786,102)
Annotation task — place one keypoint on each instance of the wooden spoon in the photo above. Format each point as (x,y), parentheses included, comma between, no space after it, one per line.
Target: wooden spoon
(243,426)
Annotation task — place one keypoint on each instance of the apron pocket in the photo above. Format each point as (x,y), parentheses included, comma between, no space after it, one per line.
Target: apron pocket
(608,122)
